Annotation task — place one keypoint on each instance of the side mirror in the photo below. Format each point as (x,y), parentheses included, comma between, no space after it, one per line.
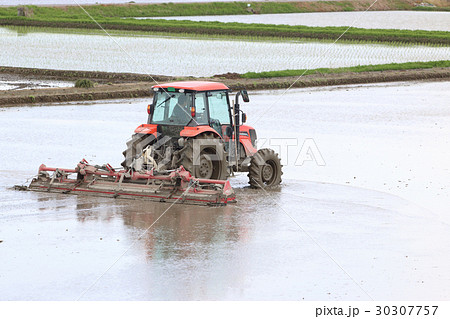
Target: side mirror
(229,131)
(244,118)
(245,96)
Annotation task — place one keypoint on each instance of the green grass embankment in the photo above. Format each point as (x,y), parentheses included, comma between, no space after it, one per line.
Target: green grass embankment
(218,8)
(71,75)
(353,69)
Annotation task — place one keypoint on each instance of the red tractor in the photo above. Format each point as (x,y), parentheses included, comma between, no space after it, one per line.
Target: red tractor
(194,125)
(192,143)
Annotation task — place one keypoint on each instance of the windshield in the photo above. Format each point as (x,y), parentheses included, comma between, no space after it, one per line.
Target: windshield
(172,108)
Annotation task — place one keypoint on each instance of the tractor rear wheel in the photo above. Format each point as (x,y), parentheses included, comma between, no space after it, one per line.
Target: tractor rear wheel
(204,157)
(134,148)
(265,169)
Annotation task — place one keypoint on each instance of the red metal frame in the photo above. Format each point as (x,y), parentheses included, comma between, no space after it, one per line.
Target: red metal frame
(193,85)
(146,129)
(191,131)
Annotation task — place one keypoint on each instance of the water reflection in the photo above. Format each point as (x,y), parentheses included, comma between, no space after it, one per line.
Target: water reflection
(183,229)
(179,233)
(94,210)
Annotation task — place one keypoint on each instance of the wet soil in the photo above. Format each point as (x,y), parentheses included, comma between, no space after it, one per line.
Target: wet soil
(100,92)
(113,85)
(97,76)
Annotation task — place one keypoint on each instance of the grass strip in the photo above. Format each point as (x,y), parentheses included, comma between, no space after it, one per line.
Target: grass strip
(446,9)
(67,75)
(216,8)
(354,69)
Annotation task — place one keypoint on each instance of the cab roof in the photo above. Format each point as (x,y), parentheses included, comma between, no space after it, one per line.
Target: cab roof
(193,85)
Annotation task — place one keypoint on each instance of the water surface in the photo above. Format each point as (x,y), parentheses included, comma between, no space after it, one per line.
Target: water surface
(379,206)
(17,82)
(408,20)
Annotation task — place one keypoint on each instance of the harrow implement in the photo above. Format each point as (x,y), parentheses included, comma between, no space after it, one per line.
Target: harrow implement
(174,186)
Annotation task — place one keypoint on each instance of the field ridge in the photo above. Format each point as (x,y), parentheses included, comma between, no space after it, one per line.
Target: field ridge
(142,89)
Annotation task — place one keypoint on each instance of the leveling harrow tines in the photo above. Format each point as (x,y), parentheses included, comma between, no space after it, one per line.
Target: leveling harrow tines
(193,141)
(176,185)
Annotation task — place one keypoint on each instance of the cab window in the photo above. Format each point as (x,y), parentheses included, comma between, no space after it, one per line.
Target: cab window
(201,113)
(171,108)
(218,107)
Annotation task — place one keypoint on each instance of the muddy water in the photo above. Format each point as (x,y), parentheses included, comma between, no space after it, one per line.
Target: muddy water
(16,82)
(379,206)
(409,20)
(34,47)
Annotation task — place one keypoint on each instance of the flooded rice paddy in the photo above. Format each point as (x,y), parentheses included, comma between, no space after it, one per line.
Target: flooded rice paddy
(38,48)
(408,20)
(379,206)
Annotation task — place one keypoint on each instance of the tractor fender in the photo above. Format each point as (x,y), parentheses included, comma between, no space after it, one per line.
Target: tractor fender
(146,129)
(245,140)
(245,128)
(193,131)
(248,147)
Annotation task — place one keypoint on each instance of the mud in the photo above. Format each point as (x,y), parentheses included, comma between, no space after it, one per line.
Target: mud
(100,92)
(142,89)
(73,75)
(379,206)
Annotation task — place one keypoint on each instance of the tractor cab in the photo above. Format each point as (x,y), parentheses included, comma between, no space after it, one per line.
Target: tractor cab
(191,104)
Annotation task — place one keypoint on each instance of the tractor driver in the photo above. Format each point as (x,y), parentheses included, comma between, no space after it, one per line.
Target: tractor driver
(181,112)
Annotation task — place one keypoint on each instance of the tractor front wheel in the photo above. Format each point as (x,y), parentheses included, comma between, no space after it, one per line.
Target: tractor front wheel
(265,169)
